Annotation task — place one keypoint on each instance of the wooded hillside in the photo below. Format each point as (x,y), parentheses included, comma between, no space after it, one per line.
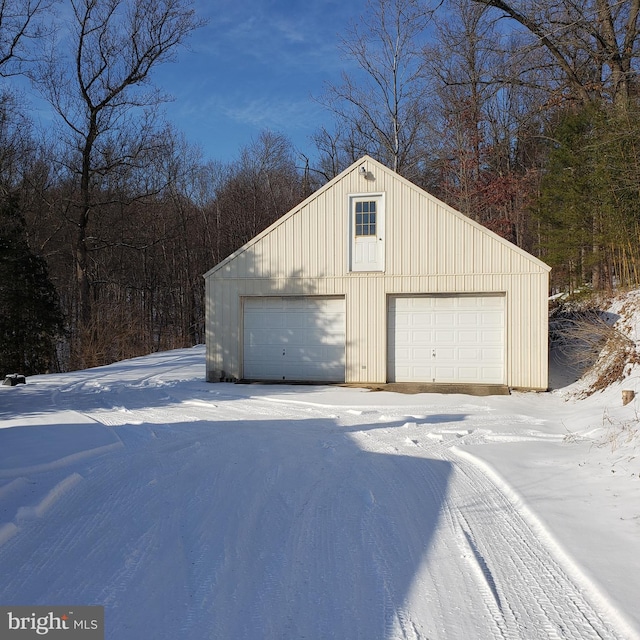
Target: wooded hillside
(523,115)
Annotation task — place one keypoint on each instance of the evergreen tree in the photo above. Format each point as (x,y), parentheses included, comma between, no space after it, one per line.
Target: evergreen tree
(30,318)
(588,207)
(564,206)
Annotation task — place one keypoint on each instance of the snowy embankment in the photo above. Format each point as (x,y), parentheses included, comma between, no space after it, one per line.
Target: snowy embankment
(195,510)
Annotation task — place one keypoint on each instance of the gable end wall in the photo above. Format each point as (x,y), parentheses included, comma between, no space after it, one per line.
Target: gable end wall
(429,249)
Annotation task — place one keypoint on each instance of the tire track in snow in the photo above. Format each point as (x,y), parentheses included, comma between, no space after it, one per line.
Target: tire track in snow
(25,514)
(46,502)
(61,463)
(515,585)
(542,599)
(592,615)
(484,548)
(484,553)
(521,589)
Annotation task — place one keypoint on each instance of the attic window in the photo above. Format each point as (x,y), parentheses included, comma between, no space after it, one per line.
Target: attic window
(366,218)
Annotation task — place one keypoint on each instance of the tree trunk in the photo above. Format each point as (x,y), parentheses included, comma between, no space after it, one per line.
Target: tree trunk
(81,249)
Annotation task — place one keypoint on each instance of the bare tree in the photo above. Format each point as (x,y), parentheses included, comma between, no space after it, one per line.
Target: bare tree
(97,87)
(191,247)
(16,143)
(381,104)
(256,190)
(594,44)
(483,168)
(461,61)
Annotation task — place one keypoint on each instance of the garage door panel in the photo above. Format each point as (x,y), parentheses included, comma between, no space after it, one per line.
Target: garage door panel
(444,373)
(470,374)
(451,338)
(294,339)
(492,337)
(256,338)
(445,337)
(492,318)
(296,321)
(327,321)
(255,321)
(444,302)
(489,359)
(424,372)
(418,337)
(443,319)
(317,354)
(469,337)
(448,354)
(497,302)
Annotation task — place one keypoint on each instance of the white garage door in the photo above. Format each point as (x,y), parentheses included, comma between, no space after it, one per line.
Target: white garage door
(447,338)
(299,339)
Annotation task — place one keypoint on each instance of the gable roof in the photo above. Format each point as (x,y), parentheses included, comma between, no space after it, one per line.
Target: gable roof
(378,166)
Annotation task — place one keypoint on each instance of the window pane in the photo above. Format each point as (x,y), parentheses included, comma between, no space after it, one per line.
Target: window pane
(365,218)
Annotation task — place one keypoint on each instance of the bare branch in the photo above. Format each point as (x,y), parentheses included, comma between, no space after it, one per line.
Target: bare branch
(20,22)
(115,44)
(594,43)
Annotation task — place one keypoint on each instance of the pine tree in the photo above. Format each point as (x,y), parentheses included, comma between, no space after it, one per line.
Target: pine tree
(30,318)
(588,206)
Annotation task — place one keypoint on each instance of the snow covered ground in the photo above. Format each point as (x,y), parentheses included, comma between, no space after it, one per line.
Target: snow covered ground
(194,510)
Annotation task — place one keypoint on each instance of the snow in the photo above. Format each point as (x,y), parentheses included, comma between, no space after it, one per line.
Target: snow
(195,510)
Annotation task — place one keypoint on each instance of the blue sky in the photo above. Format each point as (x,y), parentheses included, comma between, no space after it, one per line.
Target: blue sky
(256,66)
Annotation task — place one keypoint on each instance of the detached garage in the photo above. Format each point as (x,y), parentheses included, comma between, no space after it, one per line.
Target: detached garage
(373,280)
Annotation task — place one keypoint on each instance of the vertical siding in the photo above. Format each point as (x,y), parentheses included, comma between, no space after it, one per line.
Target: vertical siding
(366,329)
(366,319)
(429,249)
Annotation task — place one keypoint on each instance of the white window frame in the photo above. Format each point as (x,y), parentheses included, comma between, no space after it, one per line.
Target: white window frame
(379,198)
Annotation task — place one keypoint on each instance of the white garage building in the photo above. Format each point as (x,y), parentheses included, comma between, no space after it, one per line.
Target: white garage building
(373,280)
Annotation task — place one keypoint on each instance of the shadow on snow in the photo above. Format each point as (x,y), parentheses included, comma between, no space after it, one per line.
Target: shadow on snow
(241,529)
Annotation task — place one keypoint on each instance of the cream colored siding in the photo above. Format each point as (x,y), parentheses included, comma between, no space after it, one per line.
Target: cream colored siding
(366,328)
(526,364)
(429,248)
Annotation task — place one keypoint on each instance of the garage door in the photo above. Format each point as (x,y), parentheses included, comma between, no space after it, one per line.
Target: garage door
(299,339)
(447,338)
